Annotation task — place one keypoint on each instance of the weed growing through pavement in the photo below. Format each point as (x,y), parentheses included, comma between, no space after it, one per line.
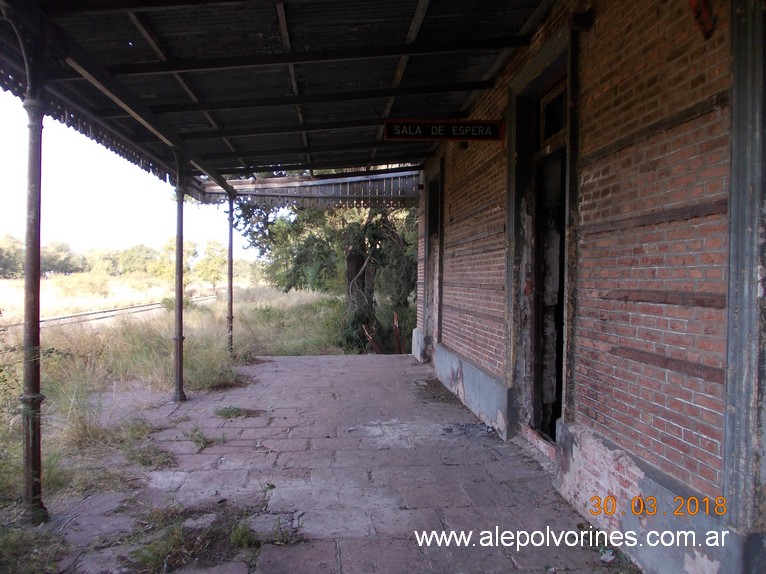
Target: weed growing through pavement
(25,551)
(201,439)
(266,489)
(151,456)
(237,412)
(242,536)
(284,534)
(171,543)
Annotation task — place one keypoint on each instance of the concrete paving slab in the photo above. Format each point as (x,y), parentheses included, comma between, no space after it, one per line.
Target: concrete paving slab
(357,458)
(402,522)
(336,524)
(381,557)
(312,557)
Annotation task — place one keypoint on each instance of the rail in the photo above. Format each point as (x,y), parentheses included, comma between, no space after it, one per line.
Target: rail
(87,316)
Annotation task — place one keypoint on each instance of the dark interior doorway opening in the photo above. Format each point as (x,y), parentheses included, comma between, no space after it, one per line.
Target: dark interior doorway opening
(549,220)
(433,263)
(549,290)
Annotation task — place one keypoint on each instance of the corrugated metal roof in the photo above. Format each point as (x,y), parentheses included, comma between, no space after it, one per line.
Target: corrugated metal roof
(246,86)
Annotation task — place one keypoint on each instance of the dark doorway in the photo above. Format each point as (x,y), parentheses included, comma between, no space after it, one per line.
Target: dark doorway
(548,259)
(433,263)
(548,268)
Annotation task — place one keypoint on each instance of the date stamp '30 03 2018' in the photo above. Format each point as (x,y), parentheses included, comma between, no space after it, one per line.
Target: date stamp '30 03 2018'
(647,506)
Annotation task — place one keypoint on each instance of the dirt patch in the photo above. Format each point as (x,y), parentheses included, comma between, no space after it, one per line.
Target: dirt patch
(432,390)
(205,536)
(474,430)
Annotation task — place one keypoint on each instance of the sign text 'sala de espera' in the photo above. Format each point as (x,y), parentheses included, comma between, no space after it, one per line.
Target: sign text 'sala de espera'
(443,130)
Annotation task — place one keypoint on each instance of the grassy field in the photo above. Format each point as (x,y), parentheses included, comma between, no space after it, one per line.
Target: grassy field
(64,294)
(79,360)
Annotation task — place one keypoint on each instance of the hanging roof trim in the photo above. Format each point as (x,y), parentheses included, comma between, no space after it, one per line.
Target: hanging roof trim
(390,189)
(74,117)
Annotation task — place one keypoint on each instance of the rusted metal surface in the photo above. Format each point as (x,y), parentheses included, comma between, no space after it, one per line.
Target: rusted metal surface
(179,394)
(34,510)
(744,483)
(392,189)
(230,277)
(138,76)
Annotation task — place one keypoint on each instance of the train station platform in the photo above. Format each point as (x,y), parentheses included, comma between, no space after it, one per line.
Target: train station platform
(337,464)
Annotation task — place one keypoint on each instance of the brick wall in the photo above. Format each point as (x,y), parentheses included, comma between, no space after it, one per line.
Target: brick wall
(474,290)
(641,62)
(650,326)
(650,332)
(473,308)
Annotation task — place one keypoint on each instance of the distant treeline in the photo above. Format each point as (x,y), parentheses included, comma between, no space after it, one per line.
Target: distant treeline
(59,258)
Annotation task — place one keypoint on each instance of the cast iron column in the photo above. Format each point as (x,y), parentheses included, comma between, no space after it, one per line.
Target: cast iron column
(744,467)
(34,510)
(230,315)
(179,395)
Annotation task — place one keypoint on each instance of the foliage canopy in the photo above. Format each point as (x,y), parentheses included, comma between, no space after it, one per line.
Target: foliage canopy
(369,255)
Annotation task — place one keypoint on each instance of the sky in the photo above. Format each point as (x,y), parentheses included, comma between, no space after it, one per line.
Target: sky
(91,197)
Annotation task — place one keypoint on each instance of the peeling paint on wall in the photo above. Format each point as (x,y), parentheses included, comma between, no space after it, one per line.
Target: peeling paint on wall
(500,423)
(700,564)
(456,382)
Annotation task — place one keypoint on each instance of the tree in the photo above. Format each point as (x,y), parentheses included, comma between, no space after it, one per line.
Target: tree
(164,267)
(306,248)
(104,261)
(58,257)
(137,259)
(11,257)
(212,266)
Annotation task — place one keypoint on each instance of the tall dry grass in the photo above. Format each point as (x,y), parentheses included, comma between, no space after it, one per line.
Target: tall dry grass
(80,360)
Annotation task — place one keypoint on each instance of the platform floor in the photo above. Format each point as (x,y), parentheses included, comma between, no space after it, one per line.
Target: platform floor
(343,459)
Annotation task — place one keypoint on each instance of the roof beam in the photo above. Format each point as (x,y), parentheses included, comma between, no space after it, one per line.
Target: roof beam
(140,22)
(77,104)
(368,189)
(412,34)
(298,128)
(332,97)
(285,32)
(119,6)
(275,152)
(278,130)
(259,131)
(313,56)
(342,164)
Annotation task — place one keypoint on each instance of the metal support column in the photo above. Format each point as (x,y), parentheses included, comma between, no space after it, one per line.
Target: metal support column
(32,42)
(744,472)
(31,400)
(179,395)
(230,313)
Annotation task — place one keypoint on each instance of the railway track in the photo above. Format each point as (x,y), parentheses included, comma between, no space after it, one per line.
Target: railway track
(88,316)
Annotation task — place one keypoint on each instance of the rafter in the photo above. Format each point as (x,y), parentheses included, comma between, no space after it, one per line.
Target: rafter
(285,32)
(311,57)
(281,129)
(412,34)
(140,22)
(120,6)
(256,131)
(350,146)
(344,164)
(333,97)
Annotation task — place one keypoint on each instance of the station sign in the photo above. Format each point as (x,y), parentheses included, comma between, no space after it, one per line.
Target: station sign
(437,130)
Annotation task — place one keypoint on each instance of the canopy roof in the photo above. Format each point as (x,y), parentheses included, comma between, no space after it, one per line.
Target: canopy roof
(246,88)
